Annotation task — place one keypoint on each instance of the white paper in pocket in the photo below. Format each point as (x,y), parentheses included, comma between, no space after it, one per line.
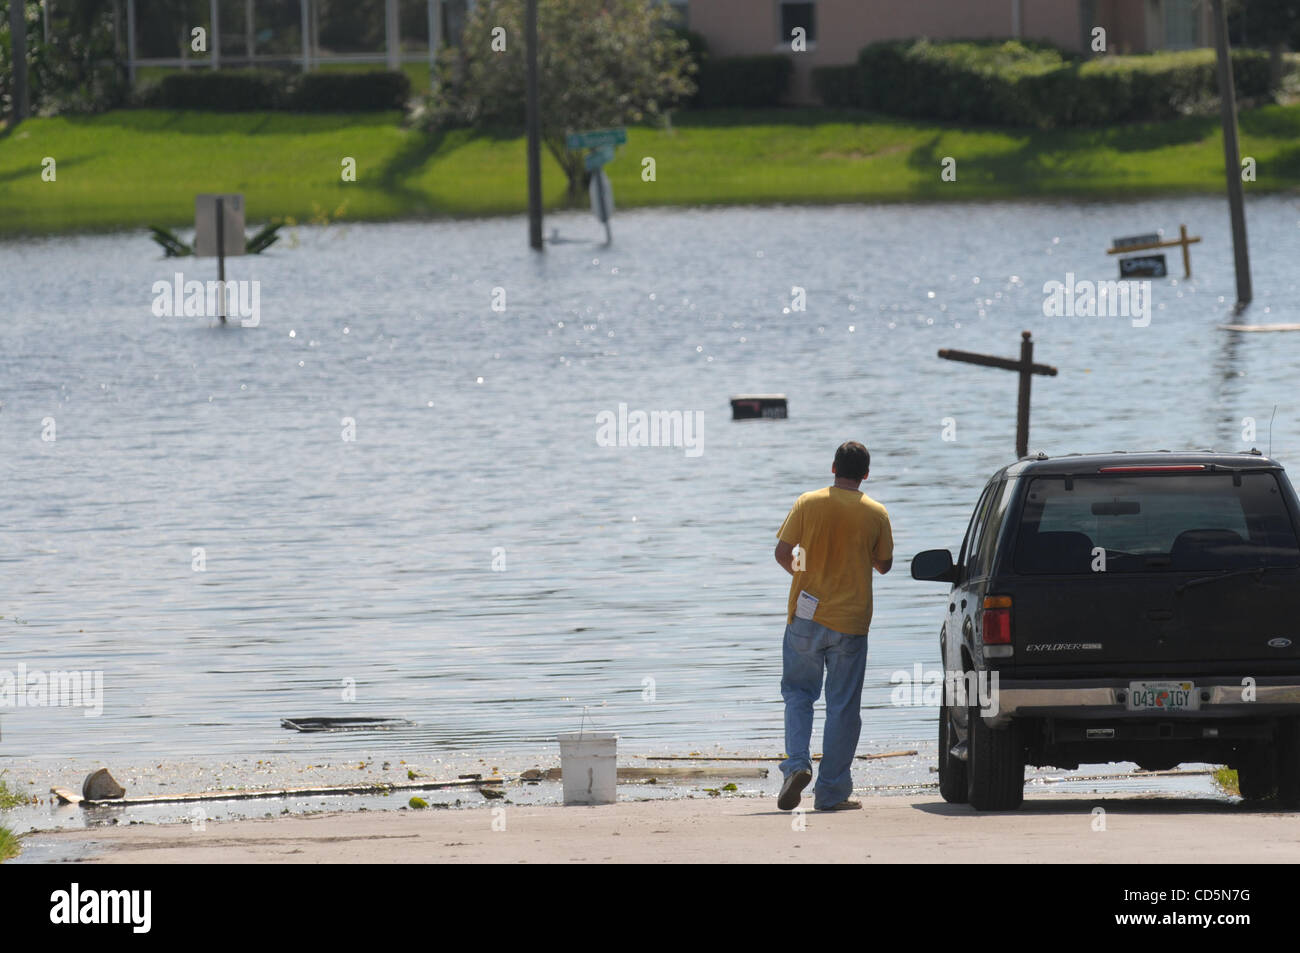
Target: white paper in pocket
(805,607)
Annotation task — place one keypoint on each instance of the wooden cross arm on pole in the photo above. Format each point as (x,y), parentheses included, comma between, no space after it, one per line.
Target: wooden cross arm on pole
(986,360)
(1025,367)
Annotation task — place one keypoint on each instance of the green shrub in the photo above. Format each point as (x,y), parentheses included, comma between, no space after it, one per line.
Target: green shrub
(218,90)
(373,91)
(838,85)
(696,43)
(1027,84)
(750,82)
(249,90)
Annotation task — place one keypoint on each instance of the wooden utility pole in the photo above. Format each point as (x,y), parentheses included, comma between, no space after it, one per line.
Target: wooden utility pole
(18,38)
(1232,155)
(534,131)
(1025,367)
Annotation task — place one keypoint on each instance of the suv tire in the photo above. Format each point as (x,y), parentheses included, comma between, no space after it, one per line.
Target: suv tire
(1257,773)
(1287,745)
(995,769)
(952,771)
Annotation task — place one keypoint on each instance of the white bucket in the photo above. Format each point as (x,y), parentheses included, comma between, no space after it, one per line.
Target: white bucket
(589,766)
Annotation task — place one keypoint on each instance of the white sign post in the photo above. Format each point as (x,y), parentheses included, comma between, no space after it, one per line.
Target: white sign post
(602,200)
(218,232)
(601,142)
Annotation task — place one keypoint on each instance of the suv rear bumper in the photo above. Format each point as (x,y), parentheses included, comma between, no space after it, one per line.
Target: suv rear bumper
(1218,697)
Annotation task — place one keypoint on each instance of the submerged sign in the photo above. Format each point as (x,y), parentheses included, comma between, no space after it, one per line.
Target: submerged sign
(207,226)
(1143,266)
(595,138)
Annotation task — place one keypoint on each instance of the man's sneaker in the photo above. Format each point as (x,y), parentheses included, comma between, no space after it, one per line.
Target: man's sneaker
(844,805)
(793,787)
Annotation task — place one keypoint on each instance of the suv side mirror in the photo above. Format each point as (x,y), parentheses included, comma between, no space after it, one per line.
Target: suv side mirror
(934,565)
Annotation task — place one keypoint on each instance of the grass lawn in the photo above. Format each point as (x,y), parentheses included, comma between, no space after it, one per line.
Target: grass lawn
(132,168)
(9,845)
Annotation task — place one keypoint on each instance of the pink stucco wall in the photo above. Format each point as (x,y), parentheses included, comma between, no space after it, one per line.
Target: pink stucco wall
(739,27)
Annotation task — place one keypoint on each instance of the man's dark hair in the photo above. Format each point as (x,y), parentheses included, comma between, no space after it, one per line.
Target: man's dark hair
(852,461)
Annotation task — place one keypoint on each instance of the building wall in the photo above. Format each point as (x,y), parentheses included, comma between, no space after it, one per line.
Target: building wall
(1057,21)
(1126,24)
(843,27)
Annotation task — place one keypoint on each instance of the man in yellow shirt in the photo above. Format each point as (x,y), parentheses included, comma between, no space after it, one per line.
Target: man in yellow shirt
(841,535)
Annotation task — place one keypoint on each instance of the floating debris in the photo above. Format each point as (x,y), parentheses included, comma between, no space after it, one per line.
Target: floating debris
(345,724)
(101,786)
(70,797)
(699,757)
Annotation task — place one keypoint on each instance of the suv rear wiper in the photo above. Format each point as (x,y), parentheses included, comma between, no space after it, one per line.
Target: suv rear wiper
(1230,574)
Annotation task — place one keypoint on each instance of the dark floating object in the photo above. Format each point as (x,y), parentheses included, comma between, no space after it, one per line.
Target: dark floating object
(101,786)
(758,406)
(1143,266)
(344,724)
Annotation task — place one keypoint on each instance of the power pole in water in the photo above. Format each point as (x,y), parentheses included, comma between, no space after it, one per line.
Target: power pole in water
(18,35)
(1232,156)
(534,131)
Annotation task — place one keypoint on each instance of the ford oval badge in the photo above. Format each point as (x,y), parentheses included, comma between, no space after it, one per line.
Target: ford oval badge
(1279,643)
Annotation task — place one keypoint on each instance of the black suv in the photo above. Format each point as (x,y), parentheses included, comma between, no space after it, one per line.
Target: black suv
(1123,607)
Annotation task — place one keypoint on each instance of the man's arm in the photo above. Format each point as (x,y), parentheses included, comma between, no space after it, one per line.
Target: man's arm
(785,556)
(884,545)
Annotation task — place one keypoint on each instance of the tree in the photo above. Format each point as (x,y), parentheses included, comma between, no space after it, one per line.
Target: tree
(76,68)
(1273,23)
(17,94)
(601,62)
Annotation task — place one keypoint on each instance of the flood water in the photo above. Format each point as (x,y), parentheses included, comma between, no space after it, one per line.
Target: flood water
(474,560)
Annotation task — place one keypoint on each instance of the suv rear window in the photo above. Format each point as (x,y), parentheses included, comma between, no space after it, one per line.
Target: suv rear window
(1155,522)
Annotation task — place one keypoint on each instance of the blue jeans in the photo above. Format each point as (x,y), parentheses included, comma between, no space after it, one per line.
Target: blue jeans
(809,650)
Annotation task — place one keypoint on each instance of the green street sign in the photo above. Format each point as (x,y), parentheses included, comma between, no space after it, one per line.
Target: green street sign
(598,157)
(595,138)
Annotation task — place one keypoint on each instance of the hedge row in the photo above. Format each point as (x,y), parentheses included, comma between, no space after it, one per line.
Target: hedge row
(247,90)
(1023,84)
(749,82)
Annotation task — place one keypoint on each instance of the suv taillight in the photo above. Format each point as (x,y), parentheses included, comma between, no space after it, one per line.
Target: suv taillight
(997,620)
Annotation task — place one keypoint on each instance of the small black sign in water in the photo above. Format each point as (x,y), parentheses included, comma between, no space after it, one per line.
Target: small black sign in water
(344,724)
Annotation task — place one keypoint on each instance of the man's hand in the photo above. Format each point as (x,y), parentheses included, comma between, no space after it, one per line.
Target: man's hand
(785,556)
(884,566)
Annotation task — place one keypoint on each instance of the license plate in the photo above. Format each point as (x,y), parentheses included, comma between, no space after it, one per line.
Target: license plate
(1163,696)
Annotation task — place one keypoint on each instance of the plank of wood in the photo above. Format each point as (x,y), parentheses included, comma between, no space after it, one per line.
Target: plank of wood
(1260,327)
(669,773)
(376,788)
(816,757)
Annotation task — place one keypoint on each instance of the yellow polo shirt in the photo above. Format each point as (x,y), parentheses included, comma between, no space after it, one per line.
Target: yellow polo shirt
(839,531)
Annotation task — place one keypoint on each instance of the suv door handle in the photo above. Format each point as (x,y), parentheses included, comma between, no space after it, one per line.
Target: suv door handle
(963,603)
(951,607)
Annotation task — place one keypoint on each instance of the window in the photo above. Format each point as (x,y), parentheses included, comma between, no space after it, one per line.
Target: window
(1087,20)
(1182,24)
(454,13)
(1155,522)
(992,528)
(797,15)
(967,556)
